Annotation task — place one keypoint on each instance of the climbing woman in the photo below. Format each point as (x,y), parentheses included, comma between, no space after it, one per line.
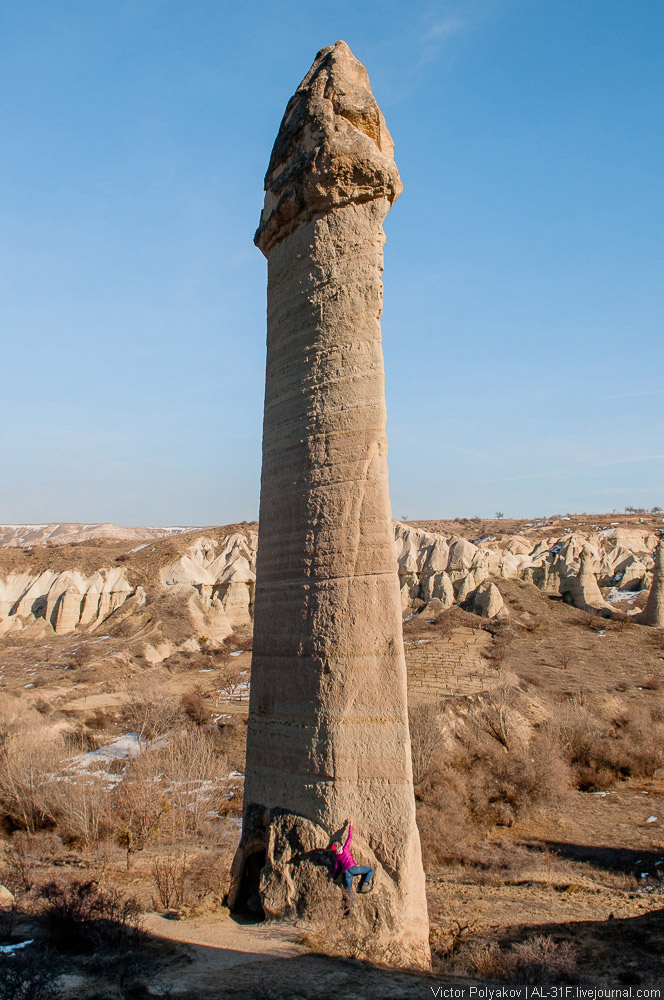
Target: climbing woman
(345,870)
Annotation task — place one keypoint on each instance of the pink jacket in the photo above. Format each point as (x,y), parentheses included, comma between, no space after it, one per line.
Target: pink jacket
(344,859)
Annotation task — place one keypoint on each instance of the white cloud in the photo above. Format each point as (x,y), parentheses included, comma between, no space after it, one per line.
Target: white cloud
(443,29)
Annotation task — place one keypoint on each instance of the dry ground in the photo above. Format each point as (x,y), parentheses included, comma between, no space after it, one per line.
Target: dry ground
(582,870)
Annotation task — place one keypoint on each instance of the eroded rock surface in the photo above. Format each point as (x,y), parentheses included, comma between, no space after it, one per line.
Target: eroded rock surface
(654,610)
(328,728)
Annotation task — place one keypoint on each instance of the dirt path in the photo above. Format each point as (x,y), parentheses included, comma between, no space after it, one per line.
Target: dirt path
(216,943)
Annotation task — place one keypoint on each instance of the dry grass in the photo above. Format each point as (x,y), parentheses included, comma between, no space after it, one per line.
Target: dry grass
(537,961)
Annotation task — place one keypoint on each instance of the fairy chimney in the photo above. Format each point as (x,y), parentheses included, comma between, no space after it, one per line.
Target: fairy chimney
(653,613)
(328,726)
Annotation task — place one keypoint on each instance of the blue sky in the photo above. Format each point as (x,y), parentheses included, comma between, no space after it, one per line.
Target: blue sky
(523,284)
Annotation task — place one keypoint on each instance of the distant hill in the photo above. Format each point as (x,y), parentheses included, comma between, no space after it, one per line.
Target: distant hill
(57,533)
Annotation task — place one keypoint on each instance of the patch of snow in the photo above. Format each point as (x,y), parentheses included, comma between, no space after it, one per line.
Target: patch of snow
(30,685)
(629,596)
(238,652)
(9,949)
(651,819)
(235,774)
(206,670)
(139,547)
(122,748)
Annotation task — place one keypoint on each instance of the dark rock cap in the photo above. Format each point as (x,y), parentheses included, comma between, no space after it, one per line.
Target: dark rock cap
(333,148)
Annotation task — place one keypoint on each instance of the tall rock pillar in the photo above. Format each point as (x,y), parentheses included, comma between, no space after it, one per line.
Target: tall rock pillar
(654,609)
(328,728)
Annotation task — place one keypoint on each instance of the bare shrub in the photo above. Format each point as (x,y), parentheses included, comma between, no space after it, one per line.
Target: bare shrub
(28,758)
(82,917)
(210,873)
(98,720)
(190,775)
(541,960)
(29,975)
(18,867)
(443,818)
(232,742)
(82,807)
(82,655)
(243,642)
(538,961)
(510,768)
(170,878)
(603,750)
(194,708)
(497,768)
(150,714)
(230,678)
(170,789)
(425,739)
(139,804)
(564,656)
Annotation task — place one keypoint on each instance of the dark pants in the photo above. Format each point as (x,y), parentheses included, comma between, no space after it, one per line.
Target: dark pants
(347,881)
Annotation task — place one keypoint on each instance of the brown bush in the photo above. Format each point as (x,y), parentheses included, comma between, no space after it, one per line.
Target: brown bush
(23,852)
(232,743)
(508,766)
(236,641)
(82,917)
(194,708)
(170,879)
(29,756)
(538,961)
(82,807)
(99,720)
(210,873)
(565,656)
(170,789)
(30,975)
(229,678)
(425,739)
(505,783)
(443,819)
(150,714)
(603,750)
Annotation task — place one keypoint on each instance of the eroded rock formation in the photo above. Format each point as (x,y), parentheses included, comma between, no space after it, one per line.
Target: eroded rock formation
(654,609)
(328,729)
(583,590)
